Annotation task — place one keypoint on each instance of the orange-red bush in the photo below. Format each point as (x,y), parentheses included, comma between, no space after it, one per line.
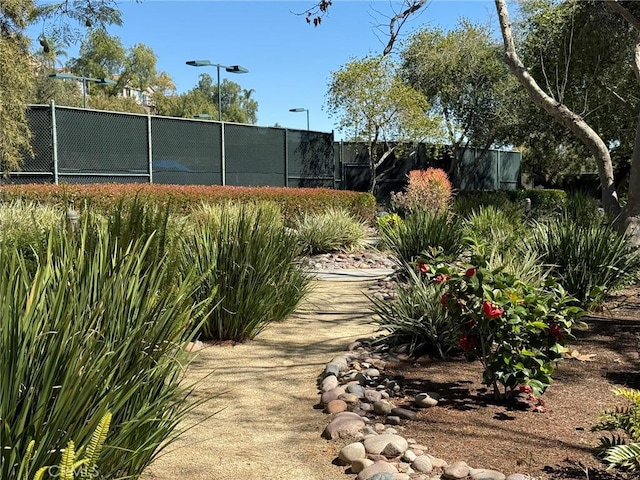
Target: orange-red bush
(183,198)
(428,189)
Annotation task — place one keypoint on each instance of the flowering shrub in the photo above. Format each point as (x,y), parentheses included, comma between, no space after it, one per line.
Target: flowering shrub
(517,330)
(428,189)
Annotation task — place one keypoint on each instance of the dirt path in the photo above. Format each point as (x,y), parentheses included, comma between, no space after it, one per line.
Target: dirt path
(267,427)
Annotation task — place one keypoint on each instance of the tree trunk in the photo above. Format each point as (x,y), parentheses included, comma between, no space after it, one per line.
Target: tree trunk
(632,209)
(563,115)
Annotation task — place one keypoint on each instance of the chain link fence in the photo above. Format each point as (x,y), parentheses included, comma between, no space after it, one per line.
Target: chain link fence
(75,145)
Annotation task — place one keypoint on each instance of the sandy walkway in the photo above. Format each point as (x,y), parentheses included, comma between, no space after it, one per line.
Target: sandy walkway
(267,428)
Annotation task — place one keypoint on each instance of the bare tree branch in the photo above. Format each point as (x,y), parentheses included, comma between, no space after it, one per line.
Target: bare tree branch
(397,22)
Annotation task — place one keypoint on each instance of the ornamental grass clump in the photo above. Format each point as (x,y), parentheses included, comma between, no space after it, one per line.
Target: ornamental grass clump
(245,260)
(96,328)
(25,226)
(515,329)
(428,190)
(333,230)
(589,260)
(415,318)
(422,230)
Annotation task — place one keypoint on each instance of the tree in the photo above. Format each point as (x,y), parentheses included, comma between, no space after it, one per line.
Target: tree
(101,56)
(629,218)
(578,52)
(462,75)
(371,102)
(15,82)
(16,72)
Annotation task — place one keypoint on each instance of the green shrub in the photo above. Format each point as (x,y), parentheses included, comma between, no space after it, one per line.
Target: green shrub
(94,329)
(333,230)
(415,318)
(245,259)
(589,260)
(615,450)
(516,330)
(543,202)
(421,230)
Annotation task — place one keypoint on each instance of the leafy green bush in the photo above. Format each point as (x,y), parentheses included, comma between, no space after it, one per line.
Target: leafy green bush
(589,260)
(543,202)
(615,450)
(245,259)
(415,318)
(421,230)
(94,329)
(516,330)
(333,230)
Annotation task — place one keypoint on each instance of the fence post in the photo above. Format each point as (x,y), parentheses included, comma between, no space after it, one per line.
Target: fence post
(54,142)
(149,149)
(335,161)
(498,182)
(286,157)
(223,156)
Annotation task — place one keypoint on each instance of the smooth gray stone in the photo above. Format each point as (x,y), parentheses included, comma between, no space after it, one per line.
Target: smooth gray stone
(456,470)
(376,445)
(377,467)
(345,424)
(351,452)
(486,474)
(422,464)
(393,420)
(404,413)
(356,389)
(372,395)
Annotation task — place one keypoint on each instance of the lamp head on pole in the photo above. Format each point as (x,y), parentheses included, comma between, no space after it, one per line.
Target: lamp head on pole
(200,63)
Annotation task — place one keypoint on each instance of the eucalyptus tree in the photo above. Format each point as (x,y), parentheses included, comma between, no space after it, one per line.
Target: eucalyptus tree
(370,101)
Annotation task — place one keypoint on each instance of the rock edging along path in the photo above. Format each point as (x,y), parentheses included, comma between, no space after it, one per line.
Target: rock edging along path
(266,427)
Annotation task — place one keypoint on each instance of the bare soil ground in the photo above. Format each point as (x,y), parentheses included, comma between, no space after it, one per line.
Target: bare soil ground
(554,445)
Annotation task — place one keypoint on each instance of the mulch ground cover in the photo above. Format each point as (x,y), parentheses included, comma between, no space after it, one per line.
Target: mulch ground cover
(555,445)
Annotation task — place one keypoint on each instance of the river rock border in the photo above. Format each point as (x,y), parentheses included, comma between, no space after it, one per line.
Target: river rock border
(359,398)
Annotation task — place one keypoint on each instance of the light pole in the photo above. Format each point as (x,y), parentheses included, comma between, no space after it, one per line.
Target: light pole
(230,69)
(84,80)
(301,110)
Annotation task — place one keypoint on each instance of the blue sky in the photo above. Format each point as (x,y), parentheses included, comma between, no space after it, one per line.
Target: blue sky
(289,61)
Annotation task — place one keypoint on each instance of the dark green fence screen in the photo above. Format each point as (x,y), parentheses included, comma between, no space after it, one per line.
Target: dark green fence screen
(76,145)
(86,146)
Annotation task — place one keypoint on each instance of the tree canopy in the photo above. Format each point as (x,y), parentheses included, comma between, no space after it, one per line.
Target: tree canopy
(371,103)
(463,76)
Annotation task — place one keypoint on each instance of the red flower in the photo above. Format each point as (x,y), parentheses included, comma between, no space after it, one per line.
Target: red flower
(467,343)
(442,277)
(470,272)
(490,310)
(444,299)
(526,389)
(423,267)
(556,331)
